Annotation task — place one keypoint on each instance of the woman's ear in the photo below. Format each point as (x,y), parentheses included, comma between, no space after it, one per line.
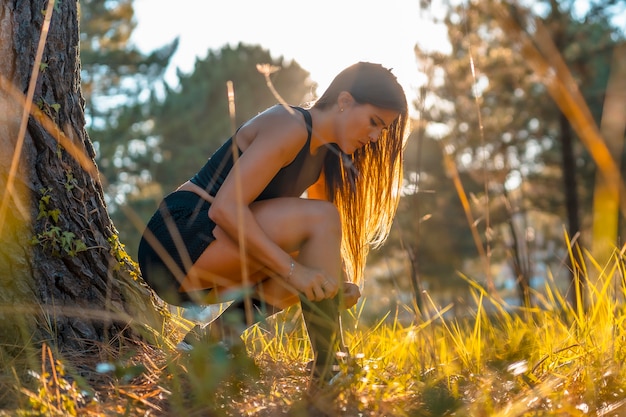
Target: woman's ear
(345,100)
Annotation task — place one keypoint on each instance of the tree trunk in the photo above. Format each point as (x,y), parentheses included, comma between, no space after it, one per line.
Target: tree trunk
(570,183)
(606,193)
(65,278)
(571,206)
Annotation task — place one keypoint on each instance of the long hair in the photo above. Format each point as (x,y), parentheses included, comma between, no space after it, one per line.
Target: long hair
(365,186)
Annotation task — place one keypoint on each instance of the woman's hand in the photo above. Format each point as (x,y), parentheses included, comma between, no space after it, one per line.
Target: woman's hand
(314,283)
(317,285)
(350,296)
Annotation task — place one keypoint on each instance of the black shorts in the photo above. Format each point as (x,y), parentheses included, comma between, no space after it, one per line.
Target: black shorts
(183,229)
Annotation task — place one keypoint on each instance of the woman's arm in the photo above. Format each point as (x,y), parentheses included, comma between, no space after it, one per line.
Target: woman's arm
(269,142)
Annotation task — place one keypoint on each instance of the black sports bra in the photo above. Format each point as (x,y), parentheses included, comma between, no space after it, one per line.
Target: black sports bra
(291,181)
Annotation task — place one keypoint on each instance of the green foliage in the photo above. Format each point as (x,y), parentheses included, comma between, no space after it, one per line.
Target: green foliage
(499,118)
(193,120)
(118,250)
(111,67)
(57,394)
(487,111)
(53,238)
(116,80)
(115,76)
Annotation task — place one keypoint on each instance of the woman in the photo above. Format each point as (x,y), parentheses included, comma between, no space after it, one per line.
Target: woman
(241,225)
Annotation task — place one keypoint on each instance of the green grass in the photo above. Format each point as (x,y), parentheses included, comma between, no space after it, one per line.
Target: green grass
(550,360)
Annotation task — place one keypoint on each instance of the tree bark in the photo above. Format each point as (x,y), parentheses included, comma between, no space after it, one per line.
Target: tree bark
(65,277)
(571,206)
(570,184)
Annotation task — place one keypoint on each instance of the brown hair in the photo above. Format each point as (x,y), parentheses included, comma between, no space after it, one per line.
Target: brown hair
(365,186)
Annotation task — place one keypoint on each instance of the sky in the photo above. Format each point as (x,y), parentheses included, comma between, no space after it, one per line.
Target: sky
(323,36)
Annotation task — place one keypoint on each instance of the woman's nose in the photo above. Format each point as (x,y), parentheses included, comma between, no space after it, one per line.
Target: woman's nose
(374,135)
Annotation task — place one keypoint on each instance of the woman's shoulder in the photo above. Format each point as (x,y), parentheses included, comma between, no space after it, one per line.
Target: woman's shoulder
(276,122)
(285,114)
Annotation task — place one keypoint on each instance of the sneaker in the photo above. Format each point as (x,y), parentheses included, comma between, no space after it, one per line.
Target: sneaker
(198,334)
(184,347)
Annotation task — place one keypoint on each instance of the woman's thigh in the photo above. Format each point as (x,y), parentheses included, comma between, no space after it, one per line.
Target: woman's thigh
(287,222)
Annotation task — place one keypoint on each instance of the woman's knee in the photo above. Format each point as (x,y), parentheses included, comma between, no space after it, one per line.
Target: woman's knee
(290,222)
(323,217)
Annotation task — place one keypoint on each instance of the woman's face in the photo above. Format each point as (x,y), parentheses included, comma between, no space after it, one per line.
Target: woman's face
(362,124)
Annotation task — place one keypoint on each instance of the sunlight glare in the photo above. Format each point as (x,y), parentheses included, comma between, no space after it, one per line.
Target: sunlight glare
(330,36)
(518,368)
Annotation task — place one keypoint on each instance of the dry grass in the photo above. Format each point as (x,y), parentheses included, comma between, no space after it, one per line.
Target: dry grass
(549,361)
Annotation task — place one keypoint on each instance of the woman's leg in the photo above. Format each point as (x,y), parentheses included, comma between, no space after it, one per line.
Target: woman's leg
(231,322)
(310,227)
(321,318)
(323,325)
